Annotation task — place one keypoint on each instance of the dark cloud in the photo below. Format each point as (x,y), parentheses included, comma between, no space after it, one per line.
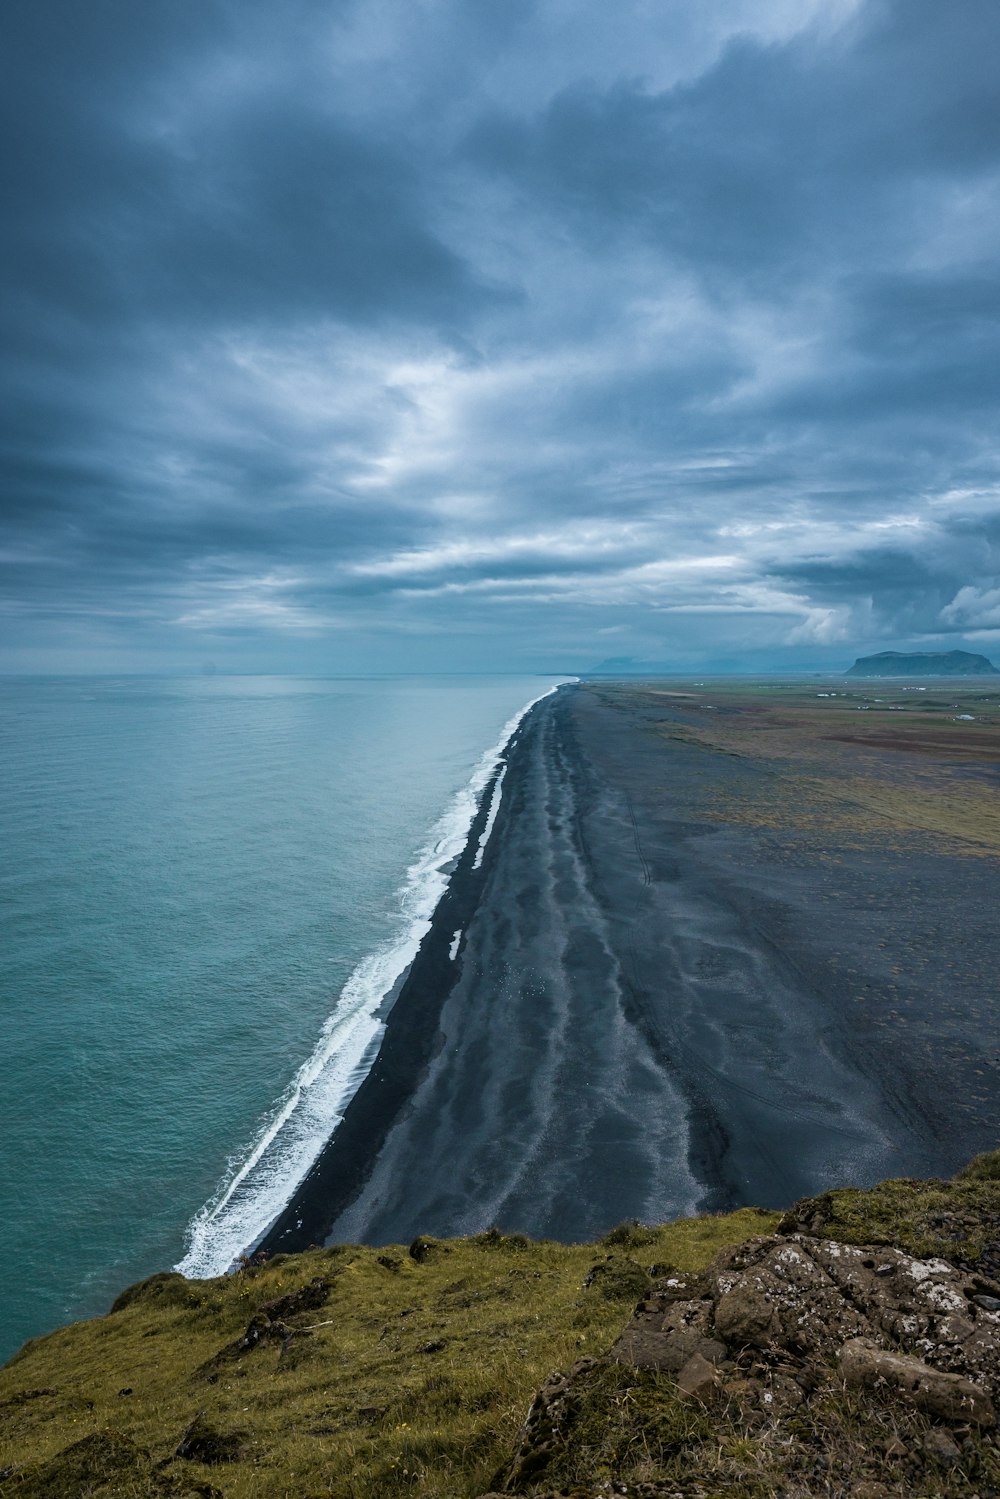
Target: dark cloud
(260,204)
(346,324)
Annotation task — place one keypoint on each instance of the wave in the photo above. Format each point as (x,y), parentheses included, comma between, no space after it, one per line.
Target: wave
(260,1181)
(491,818)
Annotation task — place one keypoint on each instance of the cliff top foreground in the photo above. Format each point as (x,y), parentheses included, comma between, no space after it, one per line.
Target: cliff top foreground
(851,1347)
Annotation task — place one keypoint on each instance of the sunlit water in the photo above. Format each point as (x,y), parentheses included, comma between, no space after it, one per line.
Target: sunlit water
(206,886)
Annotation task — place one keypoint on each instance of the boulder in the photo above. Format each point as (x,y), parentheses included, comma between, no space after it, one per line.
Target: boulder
(699,1380)
(948,1396)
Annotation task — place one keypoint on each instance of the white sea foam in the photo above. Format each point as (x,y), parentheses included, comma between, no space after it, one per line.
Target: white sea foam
(453,949)
(261,1181)
(491,818)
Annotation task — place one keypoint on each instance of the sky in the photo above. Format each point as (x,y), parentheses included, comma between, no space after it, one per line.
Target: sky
(456,335)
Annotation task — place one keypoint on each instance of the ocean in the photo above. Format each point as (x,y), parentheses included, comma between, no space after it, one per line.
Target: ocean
(207,887)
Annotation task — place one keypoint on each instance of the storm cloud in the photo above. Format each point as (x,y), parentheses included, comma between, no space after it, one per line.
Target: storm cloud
(370,335)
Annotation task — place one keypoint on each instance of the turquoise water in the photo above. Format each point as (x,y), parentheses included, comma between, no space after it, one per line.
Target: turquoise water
(205,887)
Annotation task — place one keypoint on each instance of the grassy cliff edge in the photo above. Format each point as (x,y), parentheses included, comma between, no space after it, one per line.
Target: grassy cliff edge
(358,1372)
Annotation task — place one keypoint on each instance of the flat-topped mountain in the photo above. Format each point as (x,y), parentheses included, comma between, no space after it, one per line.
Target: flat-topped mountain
(923,664)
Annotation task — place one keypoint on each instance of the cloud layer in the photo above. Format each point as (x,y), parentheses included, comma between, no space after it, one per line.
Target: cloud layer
(447,335)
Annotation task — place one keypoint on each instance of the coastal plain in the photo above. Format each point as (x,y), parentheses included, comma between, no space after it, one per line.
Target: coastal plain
(729,943)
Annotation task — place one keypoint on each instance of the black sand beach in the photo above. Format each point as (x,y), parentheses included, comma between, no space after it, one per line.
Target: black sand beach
(652,1012)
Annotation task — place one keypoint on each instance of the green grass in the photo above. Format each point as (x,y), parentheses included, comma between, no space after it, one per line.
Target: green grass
(957,1220)
(351,1373)
(401,1378)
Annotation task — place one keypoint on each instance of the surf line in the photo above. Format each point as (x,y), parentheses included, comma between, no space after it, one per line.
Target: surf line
(263,1178)
(477,862)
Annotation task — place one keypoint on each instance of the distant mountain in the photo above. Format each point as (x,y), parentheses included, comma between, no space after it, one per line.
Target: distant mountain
(923,664)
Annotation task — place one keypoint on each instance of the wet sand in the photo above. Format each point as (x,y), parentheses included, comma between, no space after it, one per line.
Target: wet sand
(651,1011)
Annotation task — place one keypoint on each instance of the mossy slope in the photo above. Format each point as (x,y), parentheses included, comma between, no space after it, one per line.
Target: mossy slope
(351,1372)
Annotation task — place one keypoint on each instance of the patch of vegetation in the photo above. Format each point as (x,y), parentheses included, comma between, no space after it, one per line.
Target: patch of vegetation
(982,1168)
(105,1462)
(628,1426)
(629,1235)
(623,1430)
(618,1279)
(376,1372)
(494,1239)
(836,764)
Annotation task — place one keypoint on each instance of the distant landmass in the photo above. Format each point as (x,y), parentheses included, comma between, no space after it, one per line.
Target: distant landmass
(923,664)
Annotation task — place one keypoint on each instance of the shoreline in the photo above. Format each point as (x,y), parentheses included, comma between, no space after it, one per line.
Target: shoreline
(266,1176)
(471,1111)
(408,1010)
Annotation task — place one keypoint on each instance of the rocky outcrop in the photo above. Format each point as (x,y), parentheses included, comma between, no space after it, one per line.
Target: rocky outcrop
(270,1325)
(778,1327)
(801,1299)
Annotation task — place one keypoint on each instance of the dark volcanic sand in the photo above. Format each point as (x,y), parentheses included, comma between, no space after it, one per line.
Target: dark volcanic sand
(649,1016)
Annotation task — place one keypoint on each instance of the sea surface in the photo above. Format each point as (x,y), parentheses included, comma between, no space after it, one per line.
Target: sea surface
(207,886)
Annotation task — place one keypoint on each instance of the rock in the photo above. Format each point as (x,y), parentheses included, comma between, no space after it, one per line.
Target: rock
(809,1376)
(988,1303)
(260,1330)
(699,1380)
(371,1413)
(550,1414)
(748,1316)
(940,1446)
(268,1325)
(777,1293)
(800,1299)
(783,1394)
(665,1333)
(808,1296)
(420,1249)
(308,1298)
(769,1331)
(864,1365)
